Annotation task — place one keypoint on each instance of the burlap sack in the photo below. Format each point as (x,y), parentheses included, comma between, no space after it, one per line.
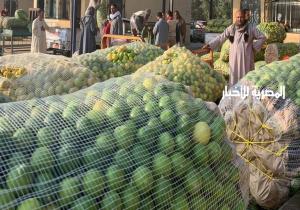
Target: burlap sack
(270,193)
(265,133)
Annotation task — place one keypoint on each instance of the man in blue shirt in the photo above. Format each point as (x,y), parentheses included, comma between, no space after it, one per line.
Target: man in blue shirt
(161,31)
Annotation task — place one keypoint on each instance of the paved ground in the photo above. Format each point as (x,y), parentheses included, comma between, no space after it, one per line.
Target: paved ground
(292,204)
(20,46)
(208,37)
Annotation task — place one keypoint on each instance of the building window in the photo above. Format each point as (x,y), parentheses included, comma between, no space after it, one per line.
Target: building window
(284,11)
(50,9)
(58,9)
(65,9)
(11,6)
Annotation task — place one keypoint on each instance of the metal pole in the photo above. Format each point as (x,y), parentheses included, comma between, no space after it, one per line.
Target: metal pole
(10,7)
(171,5)
(73,25)
(164,6)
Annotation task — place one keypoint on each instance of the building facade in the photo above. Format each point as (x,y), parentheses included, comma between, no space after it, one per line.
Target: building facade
(13,5)
(58,12)
(287,11)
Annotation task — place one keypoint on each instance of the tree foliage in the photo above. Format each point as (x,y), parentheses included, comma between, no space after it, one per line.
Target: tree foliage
(102,13)
(219,9)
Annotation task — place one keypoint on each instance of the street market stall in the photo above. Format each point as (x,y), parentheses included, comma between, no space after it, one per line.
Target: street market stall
(12,28)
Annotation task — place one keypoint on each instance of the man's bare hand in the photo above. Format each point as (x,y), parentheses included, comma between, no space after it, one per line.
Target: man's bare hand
(206,46)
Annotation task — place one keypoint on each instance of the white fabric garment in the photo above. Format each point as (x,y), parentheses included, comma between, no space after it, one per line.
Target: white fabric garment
(241,54)
(140,13)
(113,16)
(38,43)
(93,3)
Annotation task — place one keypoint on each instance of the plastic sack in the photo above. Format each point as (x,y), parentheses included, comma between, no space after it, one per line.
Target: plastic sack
(222,67)
(28,76)
(116,61)
(273,31)
(278,51)
(12,22)
(134,142)
(178,64)
(21,14)
(259,64)
(265,129)
(224,54)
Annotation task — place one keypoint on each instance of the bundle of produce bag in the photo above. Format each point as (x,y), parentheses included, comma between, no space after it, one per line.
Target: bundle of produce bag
(222,67)
(119,60)
(181,65)
(134,142)
(273,31)
(225,49)
(12,22)
(20,20)
(26,76)
(224,54)
(260,64)
(280,51)
(21,14)
(263,123)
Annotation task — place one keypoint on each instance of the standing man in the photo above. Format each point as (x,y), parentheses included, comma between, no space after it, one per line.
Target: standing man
(180,29)
(88,32)
(249,18)
(172,29)
(39,27)
(242,46)
(247,15)
(137,21)
(116,26)
(160,31)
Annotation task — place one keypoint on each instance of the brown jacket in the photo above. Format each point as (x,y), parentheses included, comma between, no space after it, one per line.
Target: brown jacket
(182,29)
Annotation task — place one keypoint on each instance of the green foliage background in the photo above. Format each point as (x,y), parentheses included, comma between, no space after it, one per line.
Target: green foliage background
(219,9)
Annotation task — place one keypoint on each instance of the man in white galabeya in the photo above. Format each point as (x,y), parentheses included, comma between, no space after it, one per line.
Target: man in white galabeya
(39,27)
(245,40)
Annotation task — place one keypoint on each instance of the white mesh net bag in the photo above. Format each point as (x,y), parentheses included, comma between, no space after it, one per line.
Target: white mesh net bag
(119,60)
(28,76)
(178,64)
(134,142)
(264,126)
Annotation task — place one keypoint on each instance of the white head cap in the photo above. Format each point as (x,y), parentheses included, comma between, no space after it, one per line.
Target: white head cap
(279,16)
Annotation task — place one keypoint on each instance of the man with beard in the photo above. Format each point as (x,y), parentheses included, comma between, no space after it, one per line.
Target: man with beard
(244,41)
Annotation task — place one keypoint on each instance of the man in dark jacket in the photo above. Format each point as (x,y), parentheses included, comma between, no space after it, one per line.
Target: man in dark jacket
(160,31)
(88,32)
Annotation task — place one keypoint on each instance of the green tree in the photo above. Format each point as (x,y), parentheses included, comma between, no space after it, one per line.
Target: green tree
(102,13)
(211,9)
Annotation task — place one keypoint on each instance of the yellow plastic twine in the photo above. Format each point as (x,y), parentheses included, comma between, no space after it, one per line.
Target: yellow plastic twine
(250,143)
